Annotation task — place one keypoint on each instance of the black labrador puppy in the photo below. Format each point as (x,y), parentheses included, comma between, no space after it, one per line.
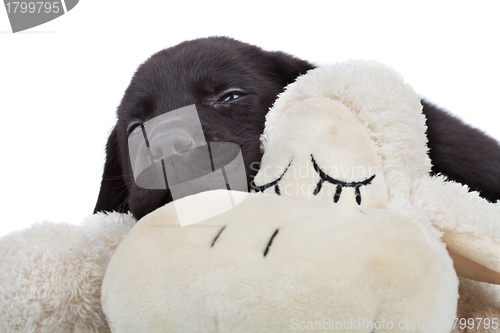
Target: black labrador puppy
(233,85)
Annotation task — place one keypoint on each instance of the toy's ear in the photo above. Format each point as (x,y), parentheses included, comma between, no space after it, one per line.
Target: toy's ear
(473,259)
(114,191)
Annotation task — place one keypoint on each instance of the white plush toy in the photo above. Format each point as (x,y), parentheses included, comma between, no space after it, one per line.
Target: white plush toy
(353,236)
(354,133)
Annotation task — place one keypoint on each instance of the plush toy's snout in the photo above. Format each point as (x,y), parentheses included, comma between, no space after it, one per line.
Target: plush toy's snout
(272,259)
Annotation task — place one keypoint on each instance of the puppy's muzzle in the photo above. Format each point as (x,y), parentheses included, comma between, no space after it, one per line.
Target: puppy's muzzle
(170,152)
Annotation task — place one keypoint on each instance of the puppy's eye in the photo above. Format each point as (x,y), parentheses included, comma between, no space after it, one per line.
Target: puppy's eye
(230,96)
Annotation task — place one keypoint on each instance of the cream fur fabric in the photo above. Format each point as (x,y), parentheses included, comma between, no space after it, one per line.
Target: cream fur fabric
(325,262)
(51,275)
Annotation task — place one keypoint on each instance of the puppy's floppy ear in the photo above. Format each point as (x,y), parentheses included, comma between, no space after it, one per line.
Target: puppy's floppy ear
(288,67)
(114,191)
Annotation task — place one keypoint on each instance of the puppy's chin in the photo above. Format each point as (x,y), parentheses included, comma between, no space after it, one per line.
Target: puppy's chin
(142,202)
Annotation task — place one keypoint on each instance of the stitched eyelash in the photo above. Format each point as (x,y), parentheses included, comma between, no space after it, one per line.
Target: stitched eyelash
(340,184)
(264,187)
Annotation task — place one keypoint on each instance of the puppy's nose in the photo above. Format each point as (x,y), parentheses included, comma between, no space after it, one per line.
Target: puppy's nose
(174,132)
(175,141)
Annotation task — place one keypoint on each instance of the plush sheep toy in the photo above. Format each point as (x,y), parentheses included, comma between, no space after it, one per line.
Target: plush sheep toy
(350,234)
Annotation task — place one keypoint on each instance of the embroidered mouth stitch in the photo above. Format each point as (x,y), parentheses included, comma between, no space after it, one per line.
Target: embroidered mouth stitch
(340,184)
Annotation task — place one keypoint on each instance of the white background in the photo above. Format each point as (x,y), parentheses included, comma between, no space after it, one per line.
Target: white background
(60,83)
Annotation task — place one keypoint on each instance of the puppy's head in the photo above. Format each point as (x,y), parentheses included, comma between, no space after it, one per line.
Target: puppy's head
(233,85)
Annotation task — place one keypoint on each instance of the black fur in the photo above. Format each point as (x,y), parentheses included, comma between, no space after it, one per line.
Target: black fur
(207,71)
(463,153)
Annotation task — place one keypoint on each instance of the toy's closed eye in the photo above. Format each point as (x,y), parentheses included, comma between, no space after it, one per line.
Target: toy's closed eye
(323,177)
(340,184)
(277,190)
